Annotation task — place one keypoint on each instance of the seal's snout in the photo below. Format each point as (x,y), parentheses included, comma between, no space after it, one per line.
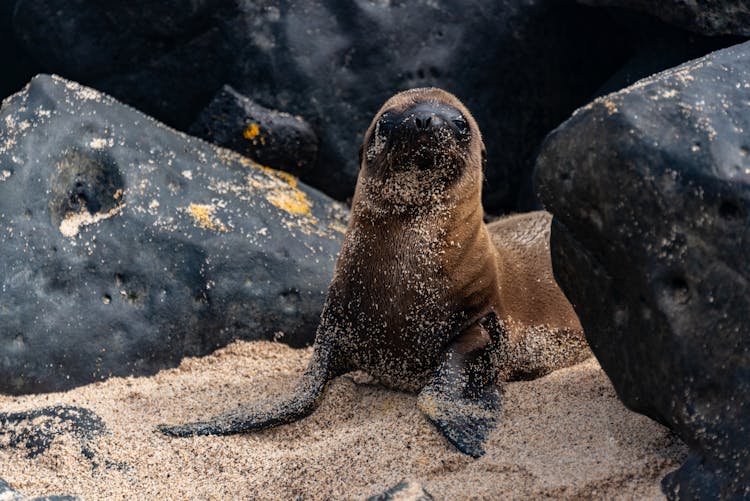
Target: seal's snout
(423,118)
(420,130)
(423,122)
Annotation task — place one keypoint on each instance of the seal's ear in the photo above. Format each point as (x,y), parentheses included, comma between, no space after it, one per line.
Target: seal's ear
(484,158)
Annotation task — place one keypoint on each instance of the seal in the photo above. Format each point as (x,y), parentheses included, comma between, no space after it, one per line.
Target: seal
(425,296)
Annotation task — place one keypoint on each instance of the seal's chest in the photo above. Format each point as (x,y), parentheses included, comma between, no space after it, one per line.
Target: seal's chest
(395,297)
(401,274)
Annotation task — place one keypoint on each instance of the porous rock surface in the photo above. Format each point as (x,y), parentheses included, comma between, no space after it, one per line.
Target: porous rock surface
(269,137)
(650,191)
(127,246)
(707,17)
(521,66)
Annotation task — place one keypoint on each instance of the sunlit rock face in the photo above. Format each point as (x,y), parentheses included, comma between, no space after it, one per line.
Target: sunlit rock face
(127,245)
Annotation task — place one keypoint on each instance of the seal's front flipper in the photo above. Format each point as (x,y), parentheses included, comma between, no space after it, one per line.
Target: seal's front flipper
(302,402)
(463,399)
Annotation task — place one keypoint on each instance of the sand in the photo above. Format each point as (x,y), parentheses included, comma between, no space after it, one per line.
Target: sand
(564,436)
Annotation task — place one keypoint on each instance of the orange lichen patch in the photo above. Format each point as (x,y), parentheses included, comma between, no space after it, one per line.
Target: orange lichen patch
(279,188)
(251,132)
(204,217)
(285,176)
(293,201)
(286,196)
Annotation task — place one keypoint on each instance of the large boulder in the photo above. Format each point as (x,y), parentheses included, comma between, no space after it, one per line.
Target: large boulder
(650,189)
(707,17)
(128,246)
(521,66)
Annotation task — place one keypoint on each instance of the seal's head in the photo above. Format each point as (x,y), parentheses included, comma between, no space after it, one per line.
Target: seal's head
(424,139)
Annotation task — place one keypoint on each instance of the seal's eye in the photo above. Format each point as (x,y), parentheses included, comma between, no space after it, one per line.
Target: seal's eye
(385,124)
(461,124)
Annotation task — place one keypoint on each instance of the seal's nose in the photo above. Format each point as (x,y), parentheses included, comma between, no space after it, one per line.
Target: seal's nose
(423,121)
(423,118)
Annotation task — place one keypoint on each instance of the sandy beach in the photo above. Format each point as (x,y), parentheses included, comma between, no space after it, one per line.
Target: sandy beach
(564,436)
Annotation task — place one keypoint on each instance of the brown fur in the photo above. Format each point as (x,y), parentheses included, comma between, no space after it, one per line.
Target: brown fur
(425,296)
(438,235)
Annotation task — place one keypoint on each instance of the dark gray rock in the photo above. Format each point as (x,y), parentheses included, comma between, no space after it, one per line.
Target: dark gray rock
(36,430)
(521,66)
(17,66)
(657,46)
(271,138)
(707,17)
(128,246)
(650,189)
(403,491)
(106,37)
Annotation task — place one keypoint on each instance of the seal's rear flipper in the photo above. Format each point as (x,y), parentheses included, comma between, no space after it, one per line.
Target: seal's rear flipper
(462,399)
(465,421)
(302,402)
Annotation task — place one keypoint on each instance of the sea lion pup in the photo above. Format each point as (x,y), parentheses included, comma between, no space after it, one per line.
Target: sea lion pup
(424,295)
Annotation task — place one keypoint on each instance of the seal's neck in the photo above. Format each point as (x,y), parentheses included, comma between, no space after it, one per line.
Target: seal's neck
(399,261)
(417,209)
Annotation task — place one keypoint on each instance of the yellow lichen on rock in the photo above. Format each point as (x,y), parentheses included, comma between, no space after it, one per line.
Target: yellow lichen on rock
(285,195)
(251,132)
(284,176)
(204,217)
(279,188)
(293,201)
